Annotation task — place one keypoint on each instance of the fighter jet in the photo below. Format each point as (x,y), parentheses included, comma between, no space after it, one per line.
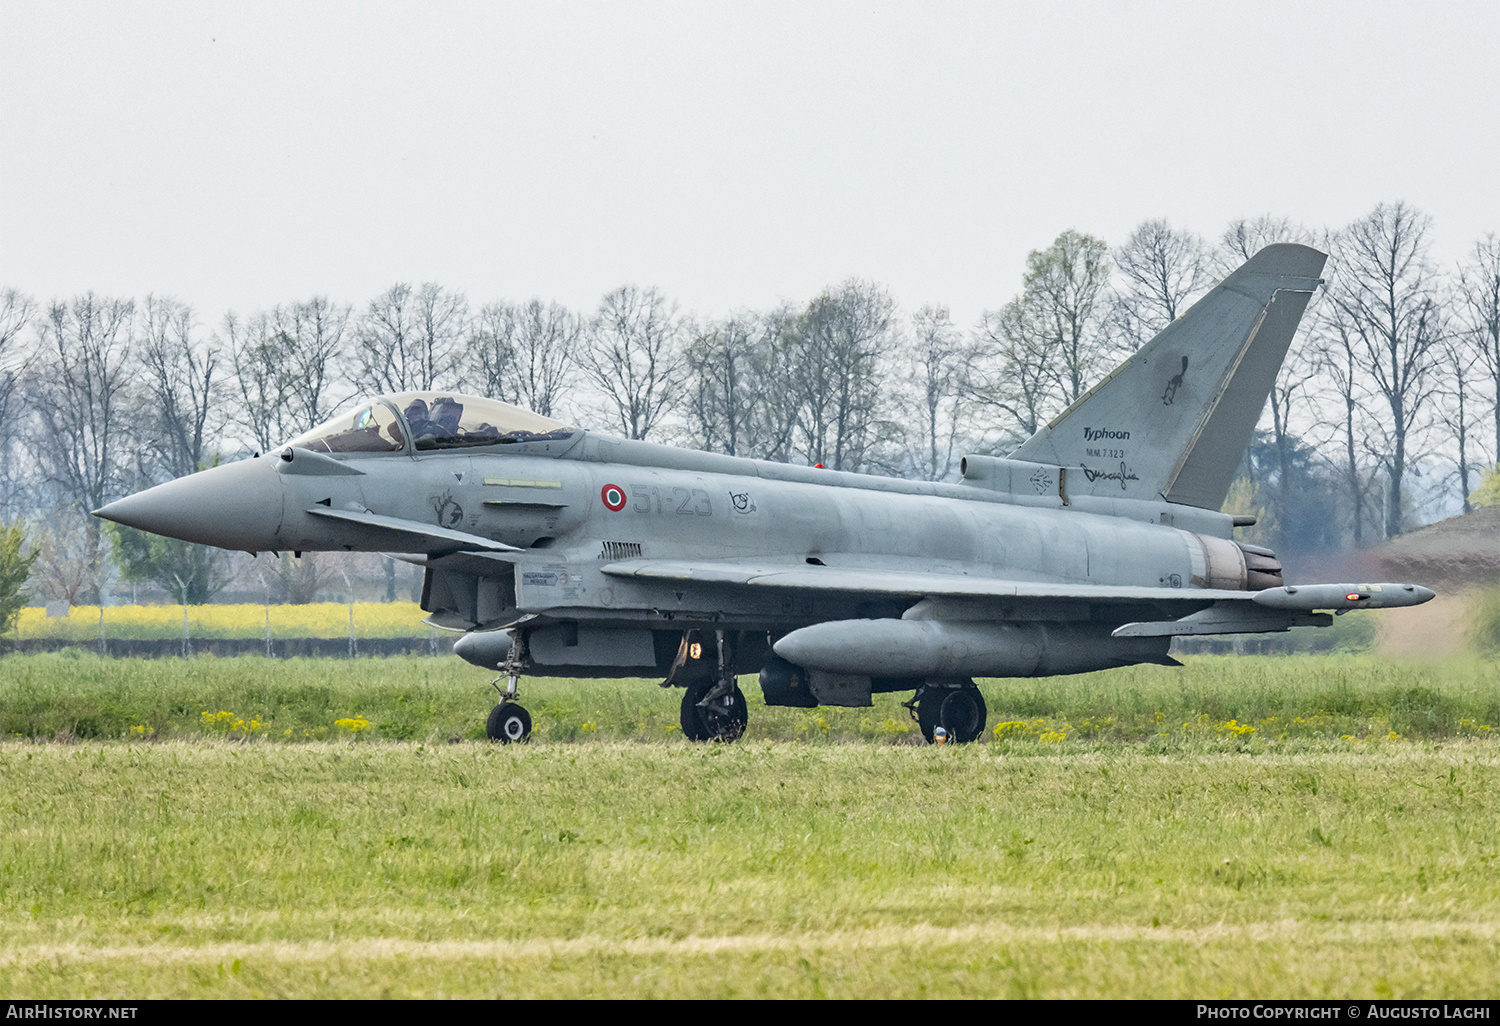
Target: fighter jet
(565,552)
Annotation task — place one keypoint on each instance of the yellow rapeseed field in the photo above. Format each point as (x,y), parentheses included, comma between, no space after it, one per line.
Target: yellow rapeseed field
(316,620)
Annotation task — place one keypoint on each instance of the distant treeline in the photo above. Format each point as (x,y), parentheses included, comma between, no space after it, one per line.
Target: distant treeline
(1394,376)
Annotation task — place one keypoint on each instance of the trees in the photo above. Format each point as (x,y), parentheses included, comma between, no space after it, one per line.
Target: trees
(525,354)
(1338,359)
(183,386)
(16,312)
(840,348)
(265,405)
(745,392)
(633,356)
(79,409)
(79,382)
(1048,345)
(1478,314)
(410,339)
(15,570)
(936,371)
(722,397)
(1457,362)
(191,574)
(1164,270)
(1386,289)
(1247,236)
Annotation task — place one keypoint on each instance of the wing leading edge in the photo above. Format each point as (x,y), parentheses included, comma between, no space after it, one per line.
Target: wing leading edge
(1291,599)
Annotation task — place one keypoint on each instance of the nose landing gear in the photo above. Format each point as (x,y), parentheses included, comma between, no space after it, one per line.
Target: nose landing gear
(509,723)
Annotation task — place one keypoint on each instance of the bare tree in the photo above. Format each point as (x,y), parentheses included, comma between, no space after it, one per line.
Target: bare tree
(1044,348)
(184,384)
(16,312)
(843,340)
(1247,236)
(286,367)
(1458,372)
(1478,309)
(722,395)
(1386,287)
(937,364)
(264,386)
(1163,270)
(1339,359)
(68,561)
(634,357)
(525,354)
(310,338)
(743,396)
(1061,308)
(1010,374)
(78,396)
(410,339)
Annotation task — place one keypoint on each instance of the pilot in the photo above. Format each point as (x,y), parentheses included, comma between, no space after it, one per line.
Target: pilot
(446,414)
(420,423)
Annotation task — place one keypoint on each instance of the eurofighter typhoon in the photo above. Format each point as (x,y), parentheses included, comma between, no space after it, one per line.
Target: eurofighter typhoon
(563,552)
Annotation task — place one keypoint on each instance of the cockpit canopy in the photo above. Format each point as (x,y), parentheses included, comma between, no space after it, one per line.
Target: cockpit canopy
(429,421)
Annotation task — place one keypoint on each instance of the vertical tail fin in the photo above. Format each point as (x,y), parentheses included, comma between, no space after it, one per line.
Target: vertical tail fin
(1174,419)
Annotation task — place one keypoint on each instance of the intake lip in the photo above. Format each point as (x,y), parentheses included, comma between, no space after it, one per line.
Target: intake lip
(235,506)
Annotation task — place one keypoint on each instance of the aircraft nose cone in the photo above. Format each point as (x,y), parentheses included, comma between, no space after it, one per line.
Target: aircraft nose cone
(236,506)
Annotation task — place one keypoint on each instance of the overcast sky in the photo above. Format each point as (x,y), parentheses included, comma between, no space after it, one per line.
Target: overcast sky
(239,155)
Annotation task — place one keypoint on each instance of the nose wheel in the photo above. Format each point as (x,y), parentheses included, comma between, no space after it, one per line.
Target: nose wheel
(508,724)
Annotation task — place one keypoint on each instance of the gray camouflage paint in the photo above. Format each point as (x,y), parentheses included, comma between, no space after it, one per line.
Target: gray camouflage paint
(1092,545)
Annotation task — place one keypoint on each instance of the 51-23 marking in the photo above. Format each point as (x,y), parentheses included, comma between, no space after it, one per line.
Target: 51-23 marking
(684,501)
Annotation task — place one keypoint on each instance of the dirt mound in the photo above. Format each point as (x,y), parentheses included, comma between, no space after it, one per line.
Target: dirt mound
(1460,552)
(1454,557)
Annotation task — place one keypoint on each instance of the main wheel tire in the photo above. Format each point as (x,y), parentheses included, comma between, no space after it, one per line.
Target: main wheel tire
(508,724)
(959,711)
(725,720)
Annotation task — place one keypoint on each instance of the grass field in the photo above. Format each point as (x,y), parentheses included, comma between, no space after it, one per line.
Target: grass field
(1239,827)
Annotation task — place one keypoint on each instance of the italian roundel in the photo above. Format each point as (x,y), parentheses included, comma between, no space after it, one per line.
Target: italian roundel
(613,496)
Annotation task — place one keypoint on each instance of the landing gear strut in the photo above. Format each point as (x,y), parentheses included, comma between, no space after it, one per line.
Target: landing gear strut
(959,709)
(714,710)
(509,723)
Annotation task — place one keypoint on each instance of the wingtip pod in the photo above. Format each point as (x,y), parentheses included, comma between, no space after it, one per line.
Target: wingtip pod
(1307,597)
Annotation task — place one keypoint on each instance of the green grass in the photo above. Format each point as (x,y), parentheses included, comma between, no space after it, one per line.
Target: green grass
(221,869)
(1138,859)
(1213,698)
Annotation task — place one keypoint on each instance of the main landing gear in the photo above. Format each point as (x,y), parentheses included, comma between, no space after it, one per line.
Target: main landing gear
(958,707)
(713,706)
(509,723)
